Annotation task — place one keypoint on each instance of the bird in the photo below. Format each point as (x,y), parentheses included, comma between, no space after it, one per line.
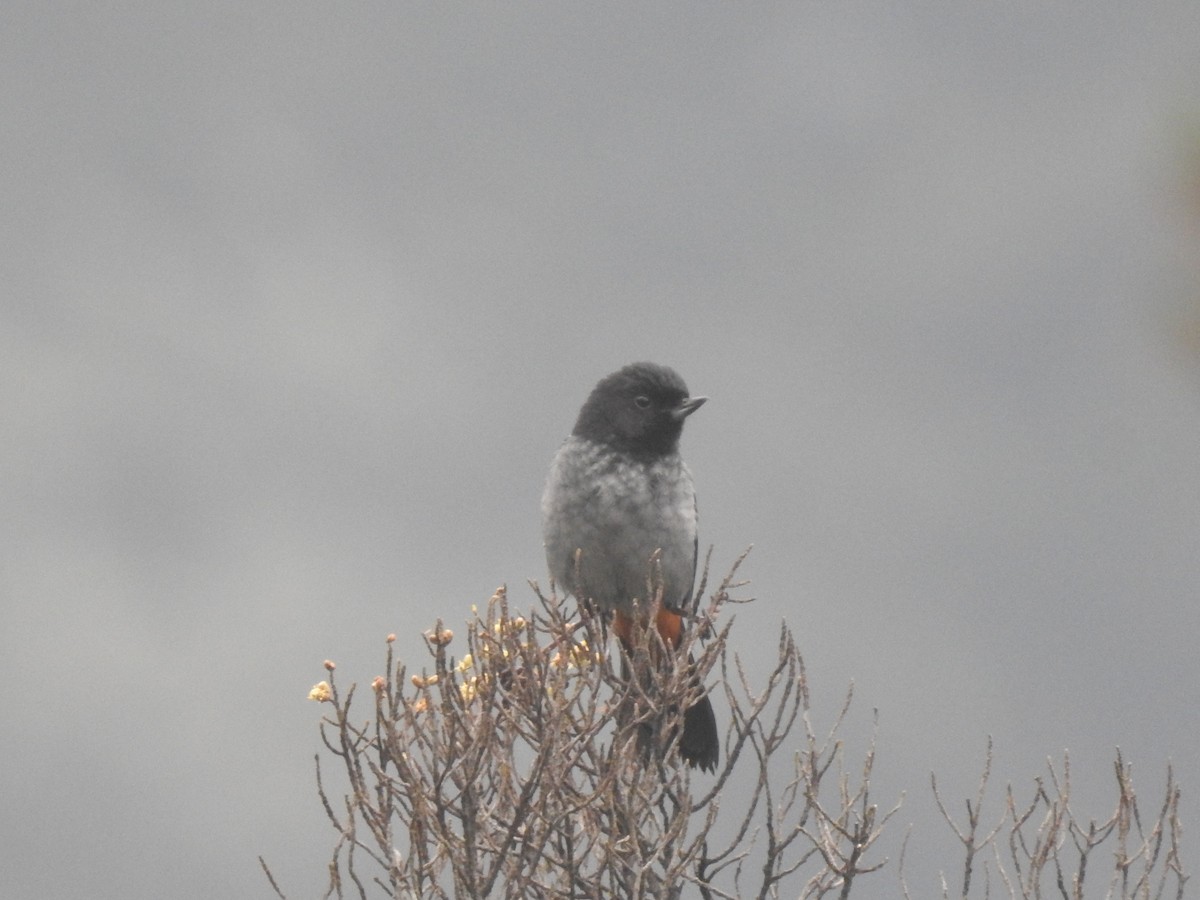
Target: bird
(619,514)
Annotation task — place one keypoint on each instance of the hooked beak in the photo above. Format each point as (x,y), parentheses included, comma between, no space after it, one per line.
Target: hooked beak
(687,407)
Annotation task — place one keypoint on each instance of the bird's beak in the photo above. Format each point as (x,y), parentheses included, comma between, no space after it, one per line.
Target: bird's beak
(687,407)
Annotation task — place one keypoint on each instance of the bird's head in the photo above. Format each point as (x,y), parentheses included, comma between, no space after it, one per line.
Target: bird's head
(638,410)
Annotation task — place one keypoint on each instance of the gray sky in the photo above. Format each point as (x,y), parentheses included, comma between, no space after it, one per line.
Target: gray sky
(299,300)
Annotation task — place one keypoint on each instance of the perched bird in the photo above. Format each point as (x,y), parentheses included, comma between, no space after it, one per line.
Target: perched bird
(618,494)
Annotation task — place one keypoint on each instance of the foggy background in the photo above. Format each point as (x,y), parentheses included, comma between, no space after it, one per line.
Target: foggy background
(298,301)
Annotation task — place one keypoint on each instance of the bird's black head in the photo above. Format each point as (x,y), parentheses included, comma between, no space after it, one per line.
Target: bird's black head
(638,410)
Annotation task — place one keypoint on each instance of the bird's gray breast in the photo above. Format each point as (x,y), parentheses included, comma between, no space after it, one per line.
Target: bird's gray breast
(618,510)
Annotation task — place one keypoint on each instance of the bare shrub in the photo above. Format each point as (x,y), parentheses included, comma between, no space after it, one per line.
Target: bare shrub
(1039,847)
(530,767)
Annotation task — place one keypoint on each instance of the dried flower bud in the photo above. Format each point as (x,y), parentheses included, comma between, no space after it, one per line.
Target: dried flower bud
(321,692)
(330,665)
(468,689)
(440,637)
(579,656)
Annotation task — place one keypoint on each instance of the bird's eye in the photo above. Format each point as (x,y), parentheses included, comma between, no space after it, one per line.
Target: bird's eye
(642,401)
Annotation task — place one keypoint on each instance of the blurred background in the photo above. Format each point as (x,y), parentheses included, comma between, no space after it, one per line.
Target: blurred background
(298,301)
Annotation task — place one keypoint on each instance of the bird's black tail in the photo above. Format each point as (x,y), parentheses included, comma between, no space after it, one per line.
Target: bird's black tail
(700,744)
